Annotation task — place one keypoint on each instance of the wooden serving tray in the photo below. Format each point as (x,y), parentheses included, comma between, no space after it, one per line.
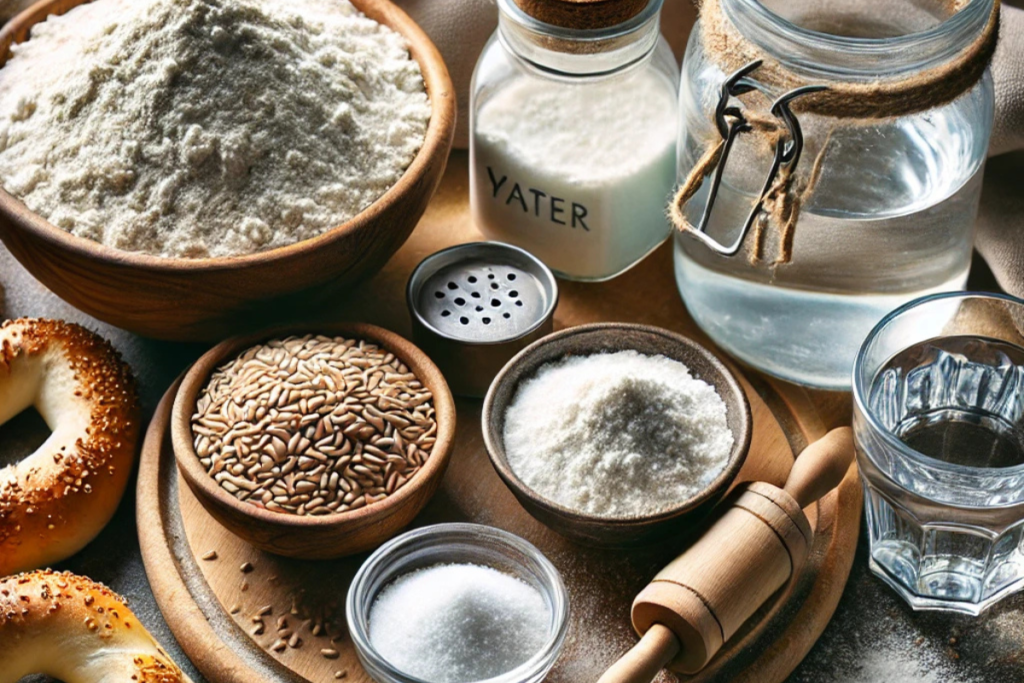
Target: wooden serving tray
(198,596)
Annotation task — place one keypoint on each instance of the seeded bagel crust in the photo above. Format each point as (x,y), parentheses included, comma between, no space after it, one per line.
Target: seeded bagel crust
(76,630)
(55,501)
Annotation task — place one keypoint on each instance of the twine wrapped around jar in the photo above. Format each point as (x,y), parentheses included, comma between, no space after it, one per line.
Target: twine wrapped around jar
(842,99)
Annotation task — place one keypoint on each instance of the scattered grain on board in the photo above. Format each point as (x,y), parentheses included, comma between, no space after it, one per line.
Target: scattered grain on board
(314,425)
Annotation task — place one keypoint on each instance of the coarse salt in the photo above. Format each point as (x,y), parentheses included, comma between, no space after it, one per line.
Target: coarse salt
(617,434)
(457,623)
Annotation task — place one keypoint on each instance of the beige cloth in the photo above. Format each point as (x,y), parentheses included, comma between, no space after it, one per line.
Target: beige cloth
(460,29)
(1000,237)
(8,8)
(1008,73)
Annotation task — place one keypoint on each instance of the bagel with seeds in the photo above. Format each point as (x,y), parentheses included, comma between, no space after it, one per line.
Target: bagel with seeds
(75,630)
(58,499)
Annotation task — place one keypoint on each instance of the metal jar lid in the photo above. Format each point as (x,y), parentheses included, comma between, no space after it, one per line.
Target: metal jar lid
(476,305)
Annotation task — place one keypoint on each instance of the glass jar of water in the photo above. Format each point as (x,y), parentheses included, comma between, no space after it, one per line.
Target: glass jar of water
(888,192)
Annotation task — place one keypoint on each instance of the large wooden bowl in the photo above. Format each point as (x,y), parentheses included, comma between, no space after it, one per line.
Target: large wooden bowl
(210,299)
(326,536)
(599,531)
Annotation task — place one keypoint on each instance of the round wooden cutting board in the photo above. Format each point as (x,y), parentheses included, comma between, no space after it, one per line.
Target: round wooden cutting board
(211,604)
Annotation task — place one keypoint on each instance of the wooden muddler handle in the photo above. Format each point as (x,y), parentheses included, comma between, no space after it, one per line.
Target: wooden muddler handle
(696,603)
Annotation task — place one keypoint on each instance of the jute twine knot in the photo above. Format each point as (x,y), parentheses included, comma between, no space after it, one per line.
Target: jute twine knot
(884,98)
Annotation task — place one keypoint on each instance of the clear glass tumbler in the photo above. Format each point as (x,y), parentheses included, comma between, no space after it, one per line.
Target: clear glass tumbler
(939,424)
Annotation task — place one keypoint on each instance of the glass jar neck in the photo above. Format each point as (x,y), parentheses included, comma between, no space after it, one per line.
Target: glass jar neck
(576,52)
(825,55)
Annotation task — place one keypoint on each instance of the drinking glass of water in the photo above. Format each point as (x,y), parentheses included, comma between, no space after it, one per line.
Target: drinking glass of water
(939,424)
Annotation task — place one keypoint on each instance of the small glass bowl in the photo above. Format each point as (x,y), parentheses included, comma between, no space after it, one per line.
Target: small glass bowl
(451,544)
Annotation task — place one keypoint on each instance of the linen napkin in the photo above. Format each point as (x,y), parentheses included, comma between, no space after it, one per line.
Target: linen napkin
(1000,238)
(8,8)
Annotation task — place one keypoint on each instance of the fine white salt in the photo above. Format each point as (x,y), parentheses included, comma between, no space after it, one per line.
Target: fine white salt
(458,623)
(617,434)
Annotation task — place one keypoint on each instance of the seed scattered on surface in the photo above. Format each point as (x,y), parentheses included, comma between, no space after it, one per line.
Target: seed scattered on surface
(246,567)
(295,641)
(244,587)
(236,608)
(340,674)
(279,646)
(314,425)
(265,610)
(258,629)
(329,653)
(212,555)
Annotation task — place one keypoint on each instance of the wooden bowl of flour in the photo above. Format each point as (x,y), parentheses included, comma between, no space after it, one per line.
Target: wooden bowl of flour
(210,299)
(618,532)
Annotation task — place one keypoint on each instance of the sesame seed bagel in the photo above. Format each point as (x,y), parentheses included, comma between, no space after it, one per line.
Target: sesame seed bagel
(56,500)
(76,630)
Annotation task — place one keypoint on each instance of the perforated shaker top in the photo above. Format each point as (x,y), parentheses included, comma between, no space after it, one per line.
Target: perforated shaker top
(484,293)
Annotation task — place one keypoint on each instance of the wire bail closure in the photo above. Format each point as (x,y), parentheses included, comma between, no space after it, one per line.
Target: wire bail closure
(731,122)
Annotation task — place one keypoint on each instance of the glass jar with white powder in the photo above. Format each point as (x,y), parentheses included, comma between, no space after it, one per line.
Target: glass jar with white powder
(573,133)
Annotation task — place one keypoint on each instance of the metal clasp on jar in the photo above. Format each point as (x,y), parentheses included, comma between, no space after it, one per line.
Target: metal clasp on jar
(731,121)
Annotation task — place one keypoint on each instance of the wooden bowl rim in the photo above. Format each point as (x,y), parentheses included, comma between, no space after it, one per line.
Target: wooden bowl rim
(737,456)
(437,140)
(203,485)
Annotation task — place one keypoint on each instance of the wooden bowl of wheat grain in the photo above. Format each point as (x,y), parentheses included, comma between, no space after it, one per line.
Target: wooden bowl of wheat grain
(210,299)
(308,536)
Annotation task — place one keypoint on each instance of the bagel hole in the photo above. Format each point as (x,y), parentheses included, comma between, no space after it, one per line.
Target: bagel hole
(21,436)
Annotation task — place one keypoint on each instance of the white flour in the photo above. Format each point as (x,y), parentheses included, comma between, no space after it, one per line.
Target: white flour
(578,174)
(617,434)
(208,128)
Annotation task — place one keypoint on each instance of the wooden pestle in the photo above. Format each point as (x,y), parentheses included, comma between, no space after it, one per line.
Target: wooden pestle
(696,603)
